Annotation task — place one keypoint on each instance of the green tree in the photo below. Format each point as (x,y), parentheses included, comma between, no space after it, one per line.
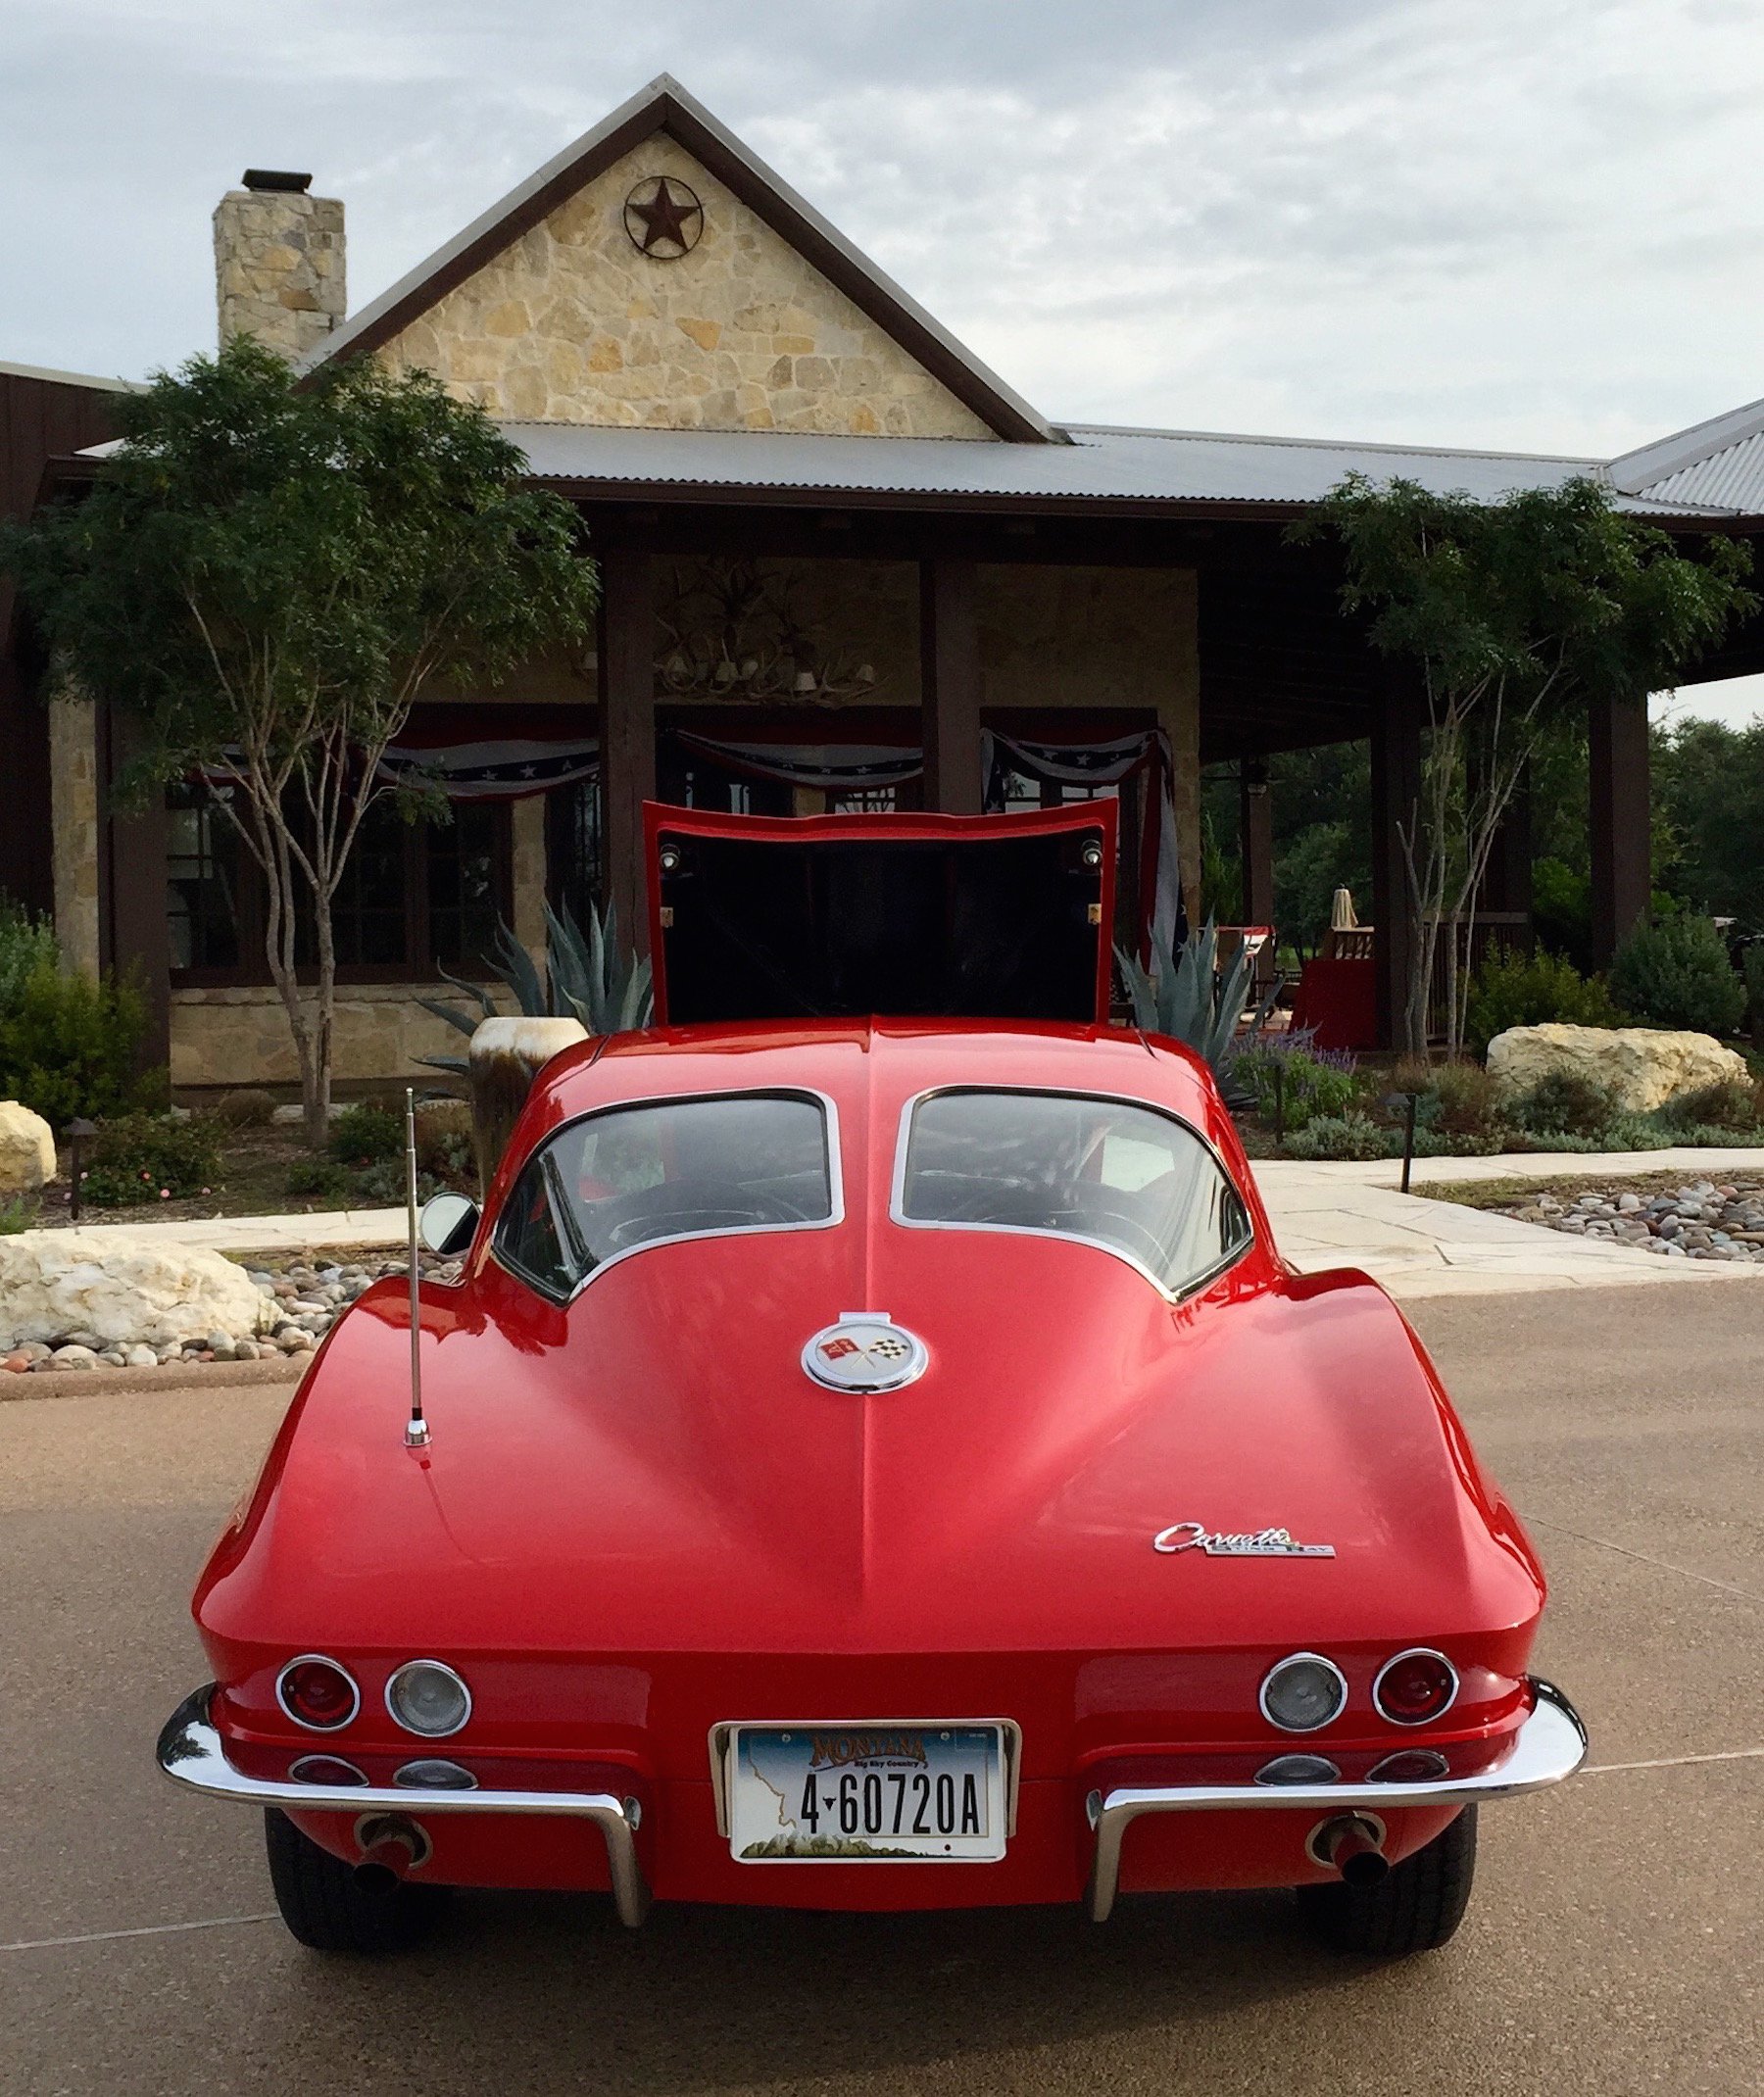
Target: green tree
(1510,613)
(1709,790)
(268,573)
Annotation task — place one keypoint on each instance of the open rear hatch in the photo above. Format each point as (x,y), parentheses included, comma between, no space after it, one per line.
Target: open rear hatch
(844,916)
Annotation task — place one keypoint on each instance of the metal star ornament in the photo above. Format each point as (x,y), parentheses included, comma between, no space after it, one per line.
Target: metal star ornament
(663,217)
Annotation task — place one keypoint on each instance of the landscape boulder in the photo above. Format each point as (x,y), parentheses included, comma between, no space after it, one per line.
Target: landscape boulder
(26,1150)
(1644,1067)
(121,1291)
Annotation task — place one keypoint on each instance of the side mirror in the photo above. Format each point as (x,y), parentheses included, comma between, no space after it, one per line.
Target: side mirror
(447,1224)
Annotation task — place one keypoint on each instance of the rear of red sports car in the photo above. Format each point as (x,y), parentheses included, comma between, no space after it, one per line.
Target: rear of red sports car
(873,1466)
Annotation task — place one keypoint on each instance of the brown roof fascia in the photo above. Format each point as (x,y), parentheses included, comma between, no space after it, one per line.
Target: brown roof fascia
(665,112)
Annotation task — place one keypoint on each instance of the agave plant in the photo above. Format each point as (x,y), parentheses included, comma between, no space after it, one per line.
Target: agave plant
(593,978)
(1190,1000)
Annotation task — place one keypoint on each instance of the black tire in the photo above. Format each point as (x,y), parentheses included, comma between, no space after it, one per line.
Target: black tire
(1416,1907)
(327,1907)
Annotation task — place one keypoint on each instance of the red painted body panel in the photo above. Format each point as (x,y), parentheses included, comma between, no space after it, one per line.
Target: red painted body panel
(639,1518)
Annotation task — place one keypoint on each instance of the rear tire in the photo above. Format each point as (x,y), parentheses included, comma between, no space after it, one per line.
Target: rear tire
(327,1907)
(1416,1907)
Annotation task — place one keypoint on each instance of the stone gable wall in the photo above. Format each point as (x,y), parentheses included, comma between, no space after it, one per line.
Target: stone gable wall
(572,324)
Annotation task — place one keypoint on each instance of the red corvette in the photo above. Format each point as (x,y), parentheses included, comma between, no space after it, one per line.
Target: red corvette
(874,1464)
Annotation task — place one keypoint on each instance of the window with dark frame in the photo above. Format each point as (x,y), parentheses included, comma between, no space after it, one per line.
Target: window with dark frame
(412,894)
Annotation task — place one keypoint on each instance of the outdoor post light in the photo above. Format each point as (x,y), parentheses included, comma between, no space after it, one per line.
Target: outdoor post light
(77,1130)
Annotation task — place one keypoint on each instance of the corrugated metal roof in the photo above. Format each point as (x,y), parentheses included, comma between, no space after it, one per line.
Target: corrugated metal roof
(71,378)
(1732,478)
(1100,464)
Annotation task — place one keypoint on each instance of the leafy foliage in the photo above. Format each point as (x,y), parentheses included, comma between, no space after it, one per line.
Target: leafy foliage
(1294,1086)
(317,1178)
(1708,786)
(367,1135)
(1566,1104)
(1510,613)
(136,1157)
(1677,974)
(596,979)
(1343,1135)
(1754,989)
(1190,1000)
(28,946)
(267,573)
(68,1046)
(1734,1106)
(247,1107)
(1512,989)
(1457,1098)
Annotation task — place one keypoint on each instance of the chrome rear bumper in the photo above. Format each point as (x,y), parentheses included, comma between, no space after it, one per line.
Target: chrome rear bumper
(1549,1746)
(192,1752)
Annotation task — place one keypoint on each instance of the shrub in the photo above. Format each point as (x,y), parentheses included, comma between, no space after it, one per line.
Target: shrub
(383,1184)
(138,1156)
(1314,1083)
(367,1136)
(1341,1136)
(1677,974)
(68,1046)
(1565,1103)
(1533,989)
(17,1214)
(444,1145)
(247,1108)
(1754,989)
(1458,1099)
(27,945)
(1734,1106)
(320,1177)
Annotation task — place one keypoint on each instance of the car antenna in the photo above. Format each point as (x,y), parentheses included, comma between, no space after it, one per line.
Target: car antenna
(417,1431)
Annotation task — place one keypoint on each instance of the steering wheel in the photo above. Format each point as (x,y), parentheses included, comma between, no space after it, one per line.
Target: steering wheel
(694,1205)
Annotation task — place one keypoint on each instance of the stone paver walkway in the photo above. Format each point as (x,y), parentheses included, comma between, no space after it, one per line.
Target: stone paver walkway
(1325,1215)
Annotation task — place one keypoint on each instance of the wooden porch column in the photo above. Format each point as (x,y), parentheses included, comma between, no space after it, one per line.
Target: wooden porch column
(627,690)
(1395,799)
(950,687)
(1620,813)
(1256,840)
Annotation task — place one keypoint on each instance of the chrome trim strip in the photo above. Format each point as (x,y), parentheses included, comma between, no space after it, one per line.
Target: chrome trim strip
(1410,1652)
(835,1181)
(723,1732)
(1321,1660)
(192,1752)
(324,1660)
(896,1191)
(441,1668)
(1549,1746)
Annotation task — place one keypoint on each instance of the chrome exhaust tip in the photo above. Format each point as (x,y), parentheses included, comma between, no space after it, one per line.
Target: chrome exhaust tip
(1353,1845)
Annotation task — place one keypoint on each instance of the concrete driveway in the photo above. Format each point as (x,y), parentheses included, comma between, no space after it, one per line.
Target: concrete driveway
(1612,1946)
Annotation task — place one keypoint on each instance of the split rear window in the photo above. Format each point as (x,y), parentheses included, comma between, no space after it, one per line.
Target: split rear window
(635,1176)
(1128,1178)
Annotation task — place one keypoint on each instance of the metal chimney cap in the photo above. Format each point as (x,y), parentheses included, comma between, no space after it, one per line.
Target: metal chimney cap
(276,179)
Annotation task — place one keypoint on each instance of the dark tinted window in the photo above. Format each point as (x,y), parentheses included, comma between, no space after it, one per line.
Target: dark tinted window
(636,1175)
(1127,1177)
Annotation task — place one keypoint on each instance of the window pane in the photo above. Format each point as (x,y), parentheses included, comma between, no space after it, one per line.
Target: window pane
(367,912)
(202,880)
(633,1176)
(464,901)
(1128,1177)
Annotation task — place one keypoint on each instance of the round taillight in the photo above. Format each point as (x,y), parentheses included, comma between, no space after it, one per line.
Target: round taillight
(325,1769)
(316,1694)
(426,1697)
(1415,1687)
(1302,1692)
(1410,1765)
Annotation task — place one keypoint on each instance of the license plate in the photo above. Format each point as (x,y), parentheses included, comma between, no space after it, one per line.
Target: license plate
(866,1795)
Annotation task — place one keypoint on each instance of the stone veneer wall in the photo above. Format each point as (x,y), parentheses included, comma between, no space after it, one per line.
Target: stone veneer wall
(572,324)
(74,851)
(239,1035)
(1103,637)
(280,268)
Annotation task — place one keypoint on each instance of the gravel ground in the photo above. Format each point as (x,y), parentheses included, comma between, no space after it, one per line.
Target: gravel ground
(309,1293)
(1705,1220)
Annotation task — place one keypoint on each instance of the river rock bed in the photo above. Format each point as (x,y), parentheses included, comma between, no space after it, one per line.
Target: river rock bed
(1706,1220)
(306,1292)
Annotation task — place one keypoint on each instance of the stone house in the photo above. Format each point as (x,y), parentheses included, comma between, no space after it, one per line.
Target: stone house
(844,564)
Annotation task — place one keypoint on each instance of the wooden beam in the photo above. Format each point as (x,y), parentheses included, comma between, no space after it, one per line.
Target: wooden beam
(1395,806)
(628,672)
(950,686)
(1619,814)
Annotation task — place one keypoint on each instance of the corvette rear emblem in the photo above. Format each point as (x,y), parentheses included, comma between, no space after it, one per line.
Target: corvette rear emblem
(864,1351)
(1243,1544)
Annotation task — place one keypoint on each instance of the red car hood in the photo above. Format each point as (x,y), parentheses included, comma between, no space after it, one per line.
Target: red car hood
(651,1470)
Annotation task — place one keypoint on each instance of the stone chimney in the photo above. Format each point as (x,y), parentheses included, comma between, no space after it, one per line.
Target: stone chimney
(278,263)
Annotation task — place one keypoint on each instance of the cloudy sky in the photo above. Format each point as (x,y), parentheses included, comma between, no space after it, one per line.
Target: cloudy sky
(1519,223)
